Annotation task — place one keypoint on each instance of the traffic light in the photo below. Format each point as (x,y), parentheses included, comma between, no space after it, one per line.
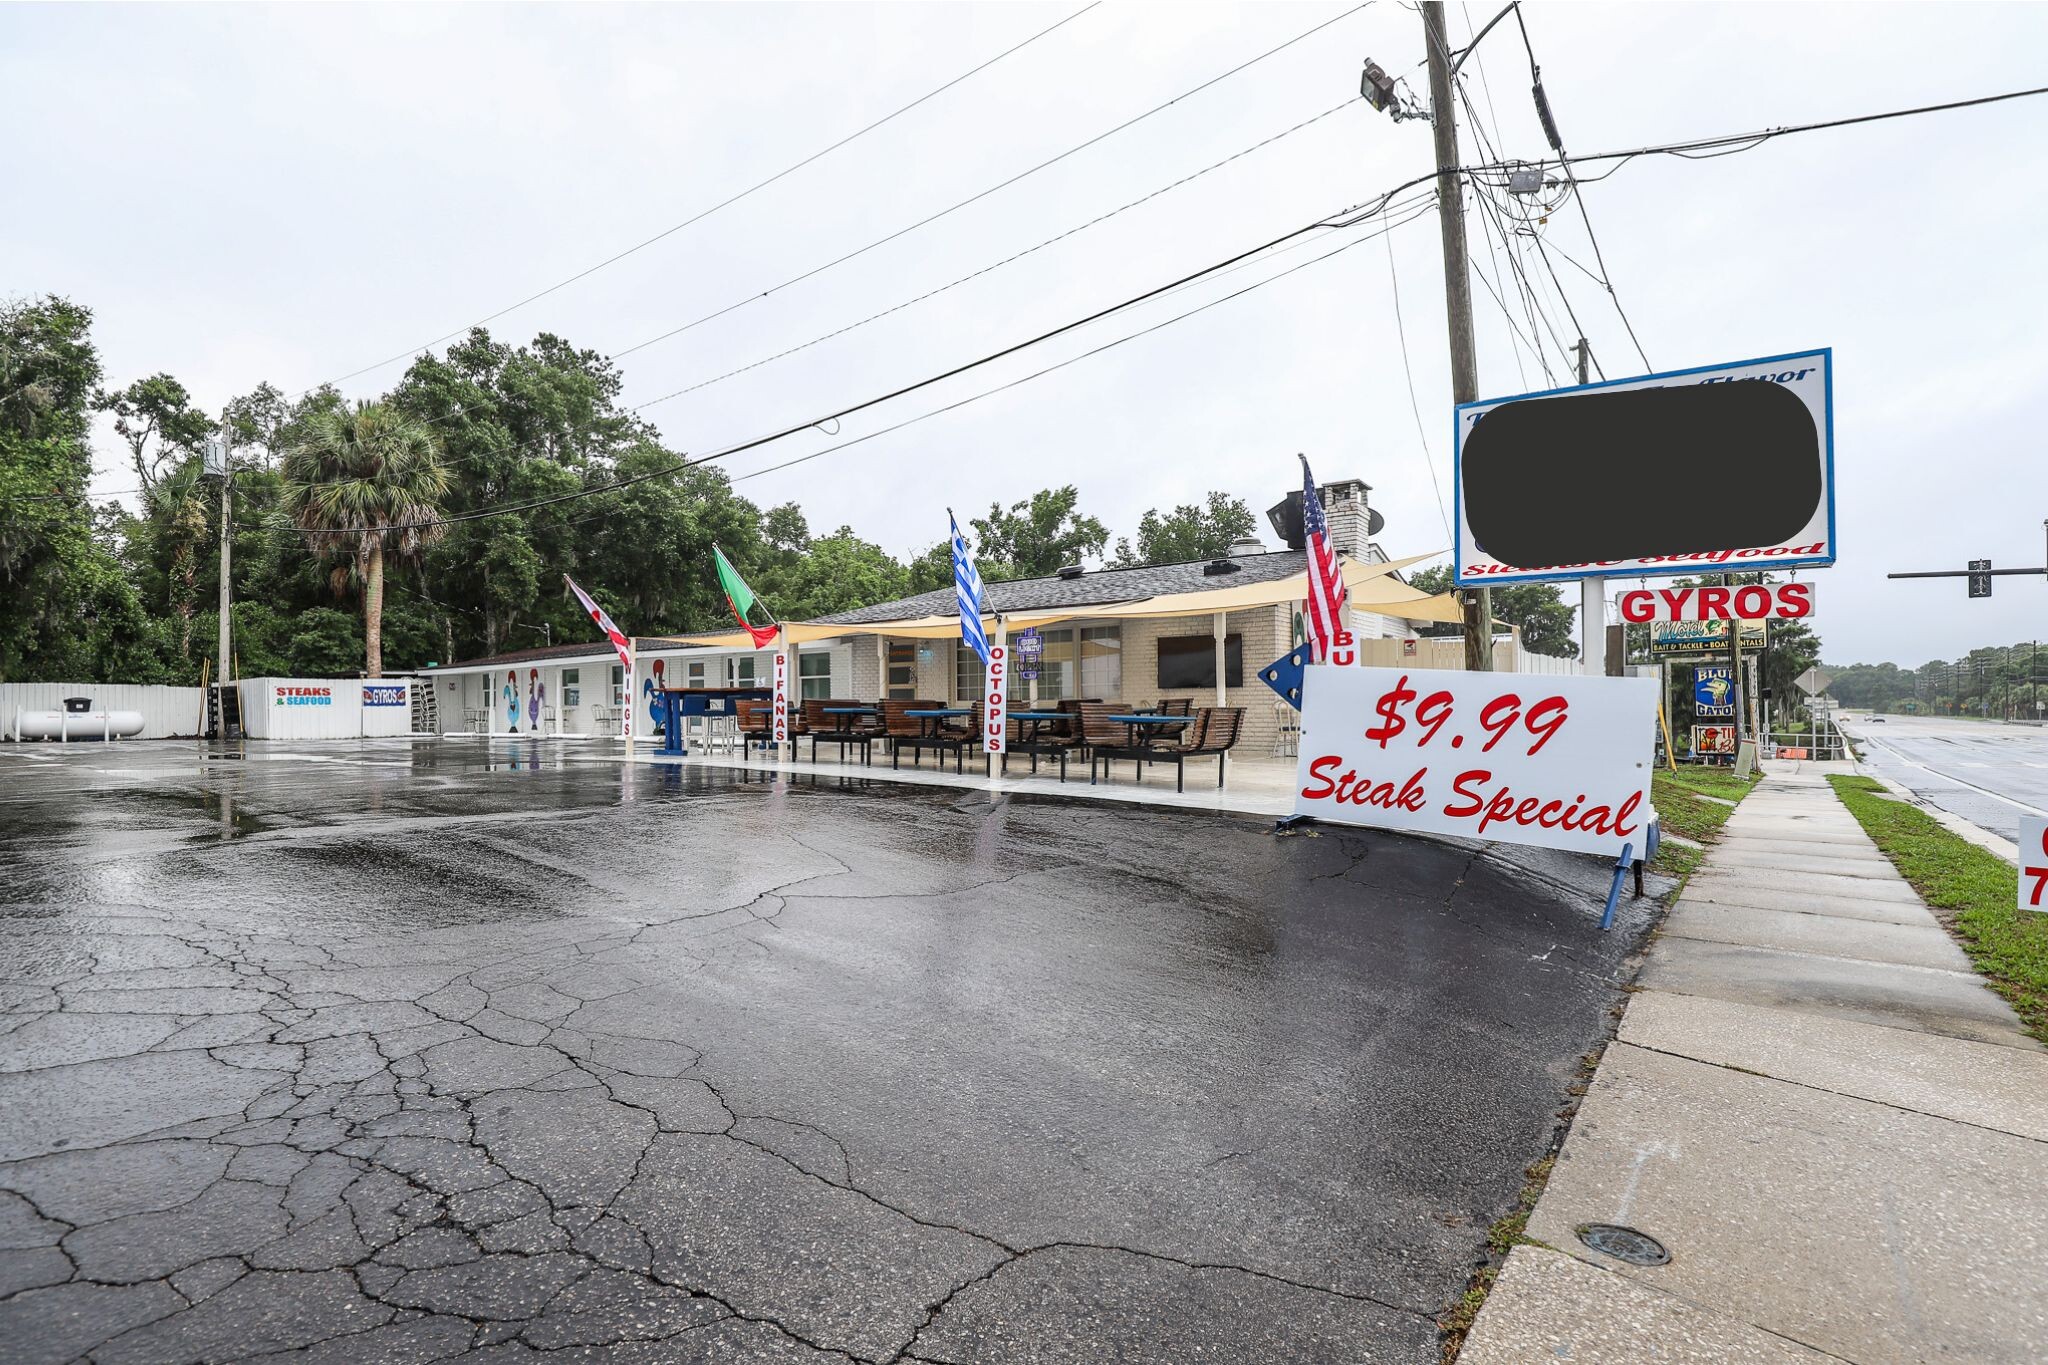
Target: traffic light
(1980,578)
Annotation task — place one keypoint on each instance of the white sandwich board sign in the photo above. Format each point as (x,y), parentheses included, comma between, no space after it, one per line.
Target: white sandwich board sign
(2033,863)
(1560,762)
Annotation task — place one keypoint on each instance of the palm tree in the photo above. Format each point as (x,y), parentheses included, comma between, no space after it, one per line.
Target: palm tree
(361,485)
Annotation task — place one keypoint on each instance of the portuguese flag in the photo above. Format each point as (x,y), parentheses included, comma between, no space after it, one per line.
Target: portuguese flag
(741,599)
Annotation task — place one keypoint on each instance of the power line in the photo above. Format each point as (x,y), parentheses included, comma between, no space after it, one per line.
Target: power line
(1550,126)
(1401,333)
(1345,218)
(983,194)
(1128,123)
(1085,355)
(702,214)
(898,307)
(1007,260)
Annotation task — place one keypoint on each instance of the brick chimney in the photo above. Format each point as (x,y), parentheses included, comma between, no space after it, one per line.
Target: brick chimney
(1344,509)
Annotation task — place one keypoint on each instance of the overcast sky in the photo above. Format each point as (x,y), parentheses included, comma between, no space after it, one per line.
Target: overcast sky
(291,193)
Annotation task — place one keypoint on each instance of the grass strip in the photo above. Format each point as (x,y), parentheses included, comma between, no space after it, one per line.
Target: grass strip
(1973,892)
(1685,808)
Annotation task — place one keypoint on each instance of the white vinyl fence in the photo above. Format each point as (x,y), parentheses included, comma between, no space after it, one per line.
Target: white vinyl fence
(167,712)
(1448,652)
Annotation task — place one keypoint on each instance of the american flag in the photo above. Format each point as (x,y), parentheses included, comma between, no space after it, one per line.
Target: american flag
(604,622)
(967,587)
(1325,574)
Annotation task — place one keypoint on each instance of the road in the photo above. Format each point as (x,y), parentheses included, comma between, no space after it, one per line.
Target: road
(386,1052)
(1986,772)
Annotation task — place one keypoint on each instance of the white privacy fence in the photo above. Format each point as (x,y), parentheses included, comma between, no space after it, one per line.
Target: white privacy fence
(1448,652)
(167,712)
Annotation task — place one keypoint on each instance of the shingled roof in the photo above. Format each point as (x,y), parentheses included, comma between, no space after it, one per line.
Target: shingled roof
(1087,590)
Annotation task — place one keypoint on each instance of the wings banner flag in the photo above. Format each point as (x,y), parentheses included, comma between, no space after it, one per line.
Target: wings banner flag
(619,642)
(740,598)
(604,622)
(1325,578)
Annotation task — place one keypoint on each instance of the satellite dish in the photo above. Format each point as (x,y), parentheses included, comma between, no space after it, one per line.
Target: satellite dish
(1375,521)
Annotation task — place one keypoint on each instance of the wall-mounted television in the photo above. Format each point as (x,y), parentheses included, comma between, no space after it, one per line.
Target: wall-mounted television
(1189,661)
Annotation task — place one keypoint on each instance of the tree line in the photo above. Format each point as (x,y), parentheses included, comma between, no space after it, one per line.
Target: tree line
(2002,681)
(356,539)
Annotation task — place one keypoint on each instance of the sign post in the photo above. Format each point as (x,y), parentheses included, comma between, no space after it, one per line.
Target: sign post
(781,667)
(995,707)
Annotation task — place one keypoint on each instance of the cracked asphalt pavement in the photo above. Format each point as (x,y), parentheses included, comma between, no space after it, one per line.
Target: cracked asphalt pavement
(406,1053)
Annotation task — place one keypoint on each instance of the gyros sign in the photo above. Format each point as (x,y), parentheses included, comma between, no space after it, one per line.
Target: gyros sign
(1562,762)
(1750,602)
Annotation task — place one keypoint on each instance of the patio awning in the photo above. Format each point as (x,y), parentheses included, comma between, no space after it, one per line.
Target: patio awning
(1367,585)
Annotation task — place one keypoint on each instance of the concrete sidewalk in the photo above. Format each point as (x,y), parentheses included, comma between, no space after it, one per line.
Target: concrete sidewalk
(1835,1128)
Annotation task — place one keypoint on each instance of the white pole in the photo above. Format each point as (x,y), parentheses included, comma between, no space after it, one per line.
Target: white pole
(1221,676)
(995,698)
(1593,625)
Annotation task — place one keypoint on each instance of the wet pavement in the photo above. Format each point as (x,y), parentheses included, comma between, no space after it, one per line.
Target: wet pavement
(1987,772)
(410,1052)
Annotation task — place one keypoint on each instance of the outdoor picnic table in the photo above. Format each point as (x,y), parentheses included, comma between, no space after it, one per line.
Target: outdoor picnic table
(929,723)
(1028,742)
(1035,719)
(843,736)
(1136,737)
(851,710)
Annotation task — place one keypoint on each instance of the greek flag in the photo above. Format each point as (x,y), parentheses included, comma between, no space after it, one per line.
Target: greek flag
(967,587)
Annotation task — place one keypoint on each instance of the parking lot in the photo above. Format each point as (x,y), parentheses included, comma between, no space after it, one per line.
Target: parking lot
(408,1052)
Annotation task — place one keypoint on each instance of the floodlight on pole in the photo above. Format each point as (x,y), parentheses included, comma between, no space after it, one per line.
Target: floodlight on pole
(1379,91)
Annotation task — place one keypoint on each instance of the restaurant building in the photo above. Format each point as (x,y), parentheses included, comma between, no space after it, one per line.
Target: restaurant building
(1198,630)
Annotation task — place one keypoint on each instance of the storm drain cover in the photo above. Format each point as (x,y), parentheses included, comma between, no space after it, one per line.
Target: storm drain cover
(1624,1244)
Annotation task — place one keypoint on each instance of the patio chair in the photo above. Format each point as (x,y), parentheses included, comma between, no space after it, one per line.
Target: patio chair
(1216,732)
(756,720)
(900,729)
(1174,706)
(1098,735)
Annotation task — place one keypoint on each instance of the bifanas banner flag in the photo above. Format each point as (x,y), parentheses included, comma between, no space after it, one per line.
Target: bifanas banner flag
(1561,762)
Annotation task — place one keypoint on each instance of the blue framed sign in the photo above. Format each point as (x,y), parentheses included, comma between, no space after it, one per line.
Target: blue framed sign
(1713,690)
(1714,469)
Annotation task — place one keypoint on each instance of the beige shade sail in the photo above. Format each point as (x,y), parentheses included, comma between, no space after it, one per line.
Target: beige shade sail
(1363,583)
(911,628)
(1368,586)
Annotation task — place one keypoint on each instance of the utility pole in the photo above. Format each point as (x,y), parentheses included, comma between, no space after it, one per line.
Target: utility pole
(221,456)
(1457,286)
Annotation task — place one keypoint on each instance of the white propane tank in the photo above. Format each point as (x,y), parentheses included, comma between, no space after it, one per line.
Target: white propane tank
(70,725)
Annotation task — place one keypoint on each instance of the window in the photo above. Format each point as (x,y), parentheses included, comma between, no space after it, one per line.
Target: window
(1189,661)
(572,687)
(1102,661)
(814,675)
(970,677)
(902,670)
(1056,665)
(739,671)
(693,673)
(618,685)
